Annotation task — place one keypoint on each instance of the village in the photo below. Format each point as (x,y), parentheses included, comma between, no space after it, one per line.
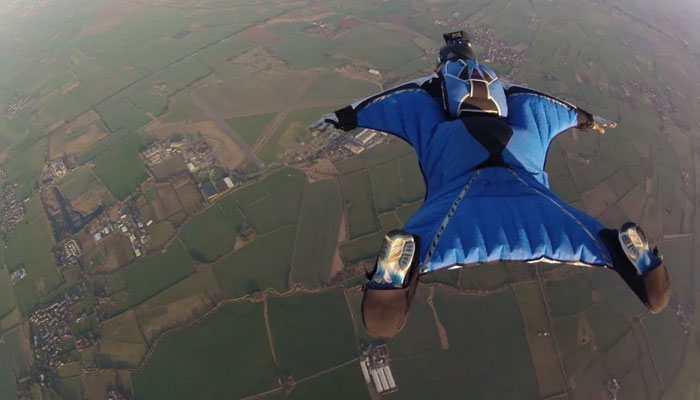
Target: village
(197,154)
(660,101)
(52,333)
(13,210)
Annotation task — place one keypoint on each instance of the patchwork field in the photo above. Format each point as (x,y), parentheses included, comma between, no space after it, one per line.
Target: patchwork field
(321,320)
(204,353)
(156,272)
(263,264)
(211,234)
(93,83)
(318,233)
(179,303)
(29,247)
(121,168)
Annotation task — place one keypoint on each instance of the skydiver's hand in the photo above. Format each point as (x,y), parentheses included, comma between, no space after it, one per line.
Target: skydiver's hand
(600,123)
(325,122)
(587,121)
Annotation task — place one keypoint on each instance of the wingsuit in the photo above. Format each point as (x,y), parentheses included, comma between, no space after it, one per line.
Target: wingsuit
(482,146)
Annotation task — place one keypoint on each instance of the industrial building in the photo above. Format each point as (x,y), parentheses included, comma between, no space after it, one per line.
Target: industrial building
(376,370)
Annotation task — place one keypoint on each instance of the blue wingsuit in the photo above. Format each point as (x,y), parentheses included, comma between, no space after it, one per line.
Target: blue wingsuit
(487,200)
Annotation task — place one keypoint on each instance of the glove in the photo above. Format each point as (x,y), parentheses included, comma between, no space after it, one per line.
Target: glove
(600,123)
(325,122)
(587,121)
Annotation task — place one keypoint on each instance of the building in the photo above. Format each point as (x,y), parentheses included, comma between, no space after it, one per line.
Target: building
(374,71)
(354,148)
(365,136)
(376,370)
(208,190)
(228,182)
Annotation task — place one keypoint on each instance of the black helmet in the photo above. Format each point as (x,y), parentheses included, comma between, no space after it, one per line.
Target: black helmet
(457,47)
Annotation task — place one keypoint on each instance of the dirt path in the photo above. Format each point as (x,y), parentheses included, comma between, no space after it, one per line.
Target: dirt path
(352,315)
(550,320)
(269,332)
(308,378)
(337,263)
(290,279)
(282,115)
(223,127)
(442,332)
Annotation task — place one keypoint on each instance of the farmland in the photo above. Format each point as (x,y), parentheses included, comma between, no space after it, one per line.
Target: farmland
(205,353)
(121,169)
(157,272)
(251,287)
(262,264)
(318,233)
(211,234)
(324,323)
(250,127)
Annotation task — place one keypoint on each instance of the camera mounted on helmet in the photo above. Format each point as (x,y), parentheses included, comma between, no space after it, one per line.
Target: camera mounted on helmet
(457,47)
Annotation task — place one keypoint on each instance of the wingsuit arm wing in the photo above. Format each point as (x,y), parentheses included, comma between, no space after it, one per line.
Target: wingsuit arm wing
(542,113)
(409,111)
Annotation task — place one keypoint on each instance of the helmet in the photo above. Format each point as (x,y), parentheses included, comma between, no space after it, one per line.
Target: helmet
(456,51)
(472,88)
(457,47)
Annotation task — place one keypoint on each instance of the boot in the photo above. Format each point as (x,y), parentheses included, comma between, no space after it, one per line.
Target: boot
(389,294)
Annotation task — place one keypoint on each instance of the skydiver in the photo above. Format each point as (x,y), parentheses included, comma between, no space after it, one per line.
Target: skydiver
(481,145)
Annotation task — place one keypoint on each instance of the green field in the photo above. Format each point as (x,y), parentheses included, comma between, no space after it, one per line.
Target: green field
(569,297)
(78,182)
(243,197)
(263,264)
(412,184)
(318,233)
(7,295)
(407,211)
(120,168)
(359,204)
(211,234)
(480,332)
(215,359)
(321,322)
(532,306)
(678,258)
(250,127)
(70,388)
(480,277)
(362,248)
(122,342)
(666,340)
(386,186)
(24,166)
(156,272)
(8,383)
(331,86)
(345,383)
(420,335)
(182,108)
(495,330)
(29,246)
(17,350)
(285,200)
(160,233)
(179,303)
(122,115)
(390,221)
